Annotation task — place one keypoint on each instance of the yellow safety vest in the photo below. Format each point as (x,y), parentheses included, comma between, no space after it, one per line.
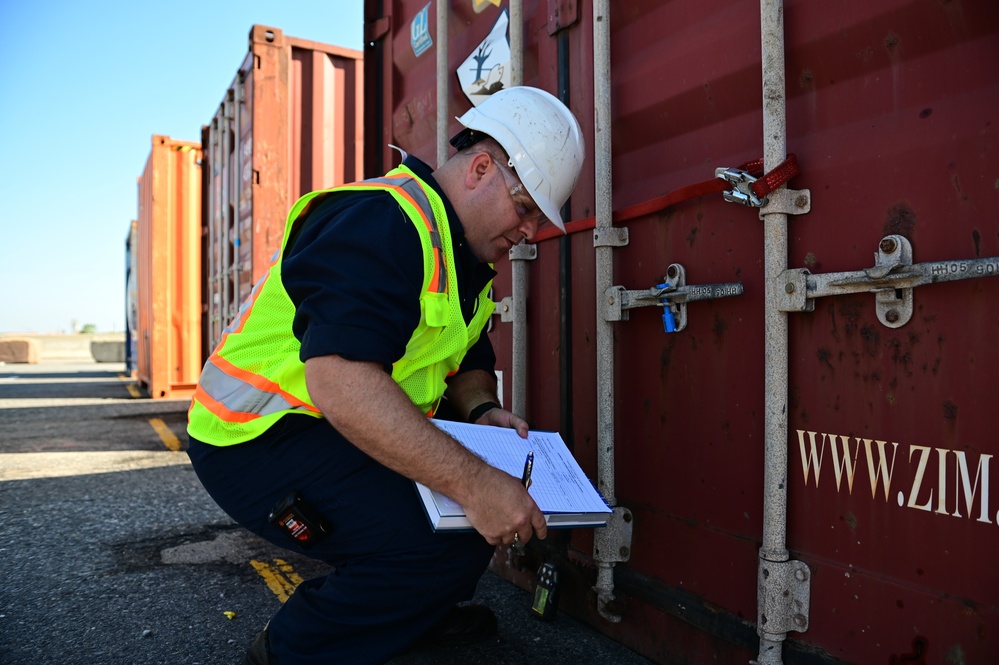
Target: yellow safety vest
(254,376)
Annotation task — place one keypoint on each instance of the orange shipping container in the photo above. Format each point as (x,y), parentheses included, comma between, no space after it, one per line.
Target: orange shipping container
(168,357)
(290,123)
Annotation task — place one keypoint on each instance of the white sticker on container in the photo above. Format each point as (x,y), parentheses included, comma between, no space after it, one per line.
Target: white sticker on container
(487,69)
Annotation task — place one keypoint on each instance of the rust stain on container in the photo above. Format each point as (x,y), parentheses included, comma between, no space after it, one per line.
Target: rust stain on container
(901,220)
(168,261)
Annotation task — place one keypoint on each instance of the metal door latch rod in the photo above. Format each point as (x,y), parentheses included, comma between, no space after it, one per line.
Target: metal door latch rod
(523,252)
(672,292)
(891,279)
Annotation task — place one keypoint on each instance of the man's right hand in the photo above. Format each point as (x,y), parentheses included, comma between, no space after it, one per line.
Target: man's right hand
(500,509)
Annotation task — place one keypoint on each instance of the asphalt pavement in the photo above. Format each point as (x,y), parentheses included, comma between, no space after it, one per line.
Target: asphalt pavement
(112,553)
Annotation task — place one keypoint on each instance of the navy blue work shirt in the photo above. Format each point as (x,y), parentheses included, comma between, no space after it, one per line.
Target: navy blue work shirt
(354,270)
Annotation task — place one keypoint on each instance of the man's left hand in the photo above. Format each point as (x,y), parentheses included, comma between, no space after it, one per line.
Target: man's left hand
(499,417)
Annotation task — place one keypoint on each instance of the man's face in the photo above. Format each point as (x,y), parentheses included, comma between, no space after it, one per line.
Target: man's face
(505,215)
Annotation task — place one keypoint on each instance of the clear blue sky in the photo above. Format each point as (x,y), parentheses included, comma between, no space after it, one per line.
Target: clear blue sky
(83,87)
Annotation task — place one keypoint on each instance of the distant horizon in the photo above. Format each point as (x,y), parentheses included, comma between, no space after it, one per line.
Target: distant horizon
(80,327)
(29,333)
(10,333)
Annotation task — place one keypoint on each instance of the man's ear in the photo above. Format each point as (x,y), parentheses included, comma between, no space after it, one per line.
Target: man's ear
(477,169)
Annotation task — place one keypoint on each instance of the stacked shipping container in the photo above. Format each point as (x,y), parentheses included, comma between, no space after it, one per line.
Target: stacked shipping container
(168,261)
(290,123)
(210,221)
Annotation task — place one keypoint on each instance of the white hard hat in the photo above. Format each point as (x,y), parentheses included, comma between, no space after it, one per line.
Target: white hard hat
(542,138)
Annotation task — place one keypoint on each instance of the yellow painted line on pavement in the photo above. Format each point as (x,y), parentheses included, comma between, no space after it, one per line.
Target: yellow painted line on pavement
(170,440)
(132,389)
(280,577)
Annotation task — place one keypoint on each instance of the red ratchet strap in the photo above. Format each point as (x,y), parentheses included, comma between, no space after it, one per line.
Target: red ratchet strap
(747,185)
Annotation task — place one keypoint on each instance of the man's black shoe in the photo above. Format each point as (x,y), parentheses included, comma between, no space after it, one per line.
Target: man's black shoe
(259,653)
(461,626)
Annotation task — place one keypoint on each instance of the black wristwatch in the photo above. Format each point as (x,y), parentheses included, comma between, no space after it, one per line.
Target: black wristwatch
(478,411)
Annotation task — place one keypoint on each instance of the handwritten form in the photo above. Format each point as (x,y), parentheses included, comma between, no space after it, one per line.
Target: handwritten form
(558,484)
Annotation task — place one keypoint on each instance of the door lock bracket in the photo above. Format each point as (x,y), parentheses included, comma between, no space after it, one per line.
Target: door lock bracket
(672,293)
(892,279)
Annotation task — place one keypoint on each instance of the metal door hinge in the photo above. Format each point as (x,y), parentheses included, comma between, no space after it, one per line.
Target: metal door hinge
(561,15)
(612,543)
(784,591)
(377,29)
(787,202)
(610,236)
(505,309)
(523,252)
(672,293)
(891,279)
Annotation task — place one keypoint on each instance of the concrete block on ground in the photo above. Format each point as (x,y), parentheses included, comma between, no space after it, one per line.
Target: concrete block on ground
(108,352)
(14,350)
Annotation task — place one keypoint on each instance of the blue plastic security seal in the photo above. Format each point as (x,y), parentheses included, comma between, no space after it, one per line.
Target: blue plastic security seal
(669,322)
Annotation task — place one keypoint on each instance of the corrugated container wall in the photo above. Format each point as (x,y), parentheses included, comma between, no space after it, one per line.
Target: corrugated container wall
(290,123)
(892,109)
(168,336)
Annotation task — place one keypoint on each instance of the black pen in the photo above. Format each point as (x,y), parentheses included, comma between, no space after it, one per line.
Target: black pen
(528,467)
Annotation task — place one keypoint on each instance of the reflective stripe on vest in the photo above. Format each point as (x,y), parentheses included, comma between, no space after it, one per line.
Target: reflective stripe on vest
(242,399)
(413,192)
(235,395)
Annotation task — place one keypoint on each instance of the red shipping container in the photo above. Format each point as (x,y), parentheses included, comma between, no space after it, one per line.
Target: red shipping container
(893,114)
(290,123)
(168,340)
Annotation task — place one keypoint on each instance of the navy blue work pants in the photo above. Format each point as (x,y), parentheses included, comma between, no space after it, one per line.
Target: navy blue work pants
(393,577)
